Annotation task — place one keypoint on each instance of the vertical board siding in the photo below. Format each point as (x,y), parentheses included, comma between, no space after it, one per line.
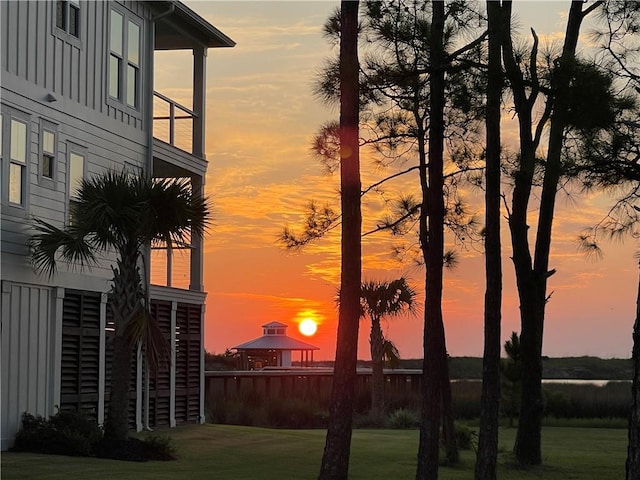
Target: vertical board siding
(26,355)
(33,49)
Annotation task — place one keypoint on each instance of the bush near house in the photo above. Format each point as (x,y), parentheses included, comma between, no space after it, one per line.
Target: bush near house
(79,435)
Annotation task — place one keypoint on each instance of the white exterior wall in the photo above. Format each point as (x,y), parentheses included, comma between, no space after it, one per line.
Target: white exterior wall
(40,63)
(50,78)
(28,354)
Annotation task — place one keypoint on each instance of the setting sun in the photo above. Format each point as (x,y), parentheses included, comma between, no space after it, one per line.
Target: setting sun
(308,327)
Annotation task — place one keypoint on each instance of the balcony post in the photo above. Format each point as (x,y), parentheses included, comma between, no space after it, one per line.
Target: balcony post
(197,184)
(199,100)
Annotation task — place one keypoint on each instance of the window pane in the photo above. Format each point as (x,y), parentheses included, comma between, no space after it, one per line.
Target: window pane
(73,20)
(134,43)
(116,32)
(114,76)
(132,86)
(18,141)
(47,166)
(48,141)
(15,183)
(61,14)
(76,172)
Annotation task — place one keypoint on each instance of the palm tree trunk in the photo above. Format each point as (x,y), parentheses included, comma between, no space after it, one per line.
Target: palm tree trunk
(335,460)
(452,455)
(125,304)
(117,422)
(377,371)
(486,458)
(633,449)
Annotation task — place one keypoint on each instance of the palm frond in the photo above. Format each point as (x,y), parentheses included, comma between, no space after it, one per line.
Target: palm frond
(387,299)
(144,329)
(175,211)
(50,241)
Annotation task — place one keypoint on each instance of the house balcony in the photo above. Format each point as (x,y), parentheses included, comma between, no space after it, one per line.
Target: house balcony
(178,149)
(178,143)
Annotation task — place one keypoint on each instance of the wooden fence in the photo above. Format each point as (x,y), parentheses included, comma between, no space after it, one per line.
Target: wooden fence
(301,383)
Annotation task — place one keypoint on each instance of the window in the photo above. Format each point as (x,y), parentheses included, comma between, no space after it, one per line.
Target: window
(68,17)
(75,174)
(14,156)
(124,59)
(48,150)
(17,162)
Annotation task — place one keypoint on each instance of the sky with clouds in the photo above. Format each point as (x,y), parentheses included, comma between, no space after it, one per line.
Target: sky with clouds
(261,118)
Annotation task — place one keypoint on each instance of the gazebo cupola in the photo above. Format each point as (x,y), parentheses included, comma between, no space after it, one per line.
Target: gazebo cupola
(274,328)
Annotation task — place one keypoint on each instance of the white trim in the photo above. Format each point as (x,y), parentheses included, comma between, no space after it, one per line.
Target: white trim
(172,368)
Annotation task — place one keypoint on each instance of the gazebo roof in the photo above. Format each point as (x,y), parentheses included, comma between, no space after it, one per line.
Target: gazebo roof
(275,342)
(275,325)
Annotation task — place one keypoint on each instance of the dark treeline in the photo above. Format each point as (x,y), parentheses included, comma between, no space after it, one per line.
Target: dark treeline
(580,368)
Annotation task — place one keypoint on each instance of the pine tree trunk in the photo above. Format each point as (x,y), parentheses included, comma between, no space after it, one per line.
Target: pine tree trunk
(335,460)
(432,244)
(633,449)
(486,458)
(528,448)
(377,371)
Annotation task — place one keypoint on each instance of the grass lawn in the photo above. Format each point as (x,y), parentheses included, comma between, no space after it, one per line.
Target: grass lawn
(224,452)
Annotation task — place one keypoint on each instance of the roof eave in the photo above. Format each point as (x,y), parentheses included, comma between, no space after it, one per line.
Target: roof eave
(217,38)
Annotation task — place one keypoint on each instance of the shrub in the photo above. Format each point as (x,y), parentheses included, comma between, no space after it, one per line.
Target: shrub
(161,447)
(367,420)
(466,438)
(65,433)
(153,447)
(404,418)
(557,404)
(295,413)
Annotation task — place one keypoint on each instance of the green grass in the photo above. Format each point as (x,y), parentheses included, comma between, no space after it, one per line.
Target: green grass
(224,452)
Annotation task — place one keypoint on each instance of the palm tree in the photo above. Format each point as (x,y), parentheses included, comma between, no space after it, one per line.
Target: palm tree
(511,370)
(121,213)
(379,300)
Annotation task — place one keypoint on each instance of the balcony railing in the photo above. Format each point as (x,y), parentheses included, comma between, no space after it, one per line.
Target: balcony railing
(173,123)
(171,266)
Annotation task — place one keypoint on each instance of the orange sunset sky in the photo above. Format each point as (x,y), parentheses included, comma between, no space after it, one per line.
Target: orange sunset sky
(261,118)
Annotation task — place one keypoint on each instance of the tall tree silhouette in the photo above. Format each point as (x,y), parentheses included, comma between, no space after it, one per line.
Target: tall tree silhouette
(487,454)
(565,109)
(335,460)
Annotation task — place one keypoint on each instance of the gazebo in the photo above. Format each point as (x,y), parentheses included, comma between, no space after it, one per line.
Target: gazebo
(273,349)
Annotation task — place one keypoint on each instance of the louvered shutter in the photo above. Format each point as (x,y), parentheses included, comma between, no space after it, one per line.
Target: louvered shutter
(80,351)
(188,351)
(159,380)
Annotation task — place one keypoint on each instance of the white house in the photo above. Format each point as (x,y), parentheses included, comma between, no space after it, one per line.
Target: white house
(77,99)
